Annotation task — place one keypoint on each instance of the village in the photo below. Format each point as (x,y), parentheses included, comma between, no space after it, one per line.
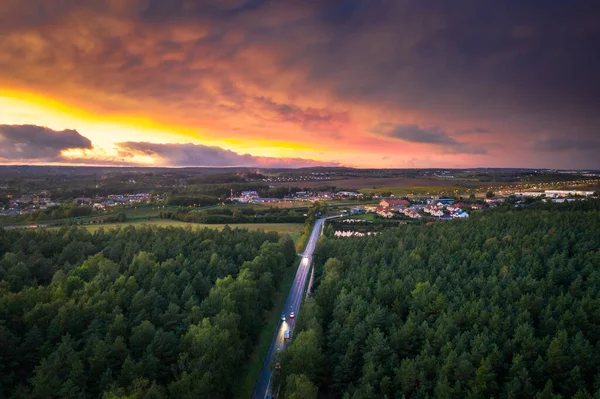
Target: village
(41,201)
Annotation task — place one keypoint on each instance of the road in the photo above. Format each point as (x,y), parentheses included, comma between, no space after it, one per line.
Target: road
(292,304)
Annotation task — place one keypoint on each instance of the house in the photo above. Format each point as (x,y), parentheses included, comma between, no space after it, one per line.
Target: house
(346,194)
(445,201)
(413,214)
(371,209)
(455,207)
(492,201)
(566,193)
(357,210)
(384,212)
(401,203)
(477,207)
(460,214)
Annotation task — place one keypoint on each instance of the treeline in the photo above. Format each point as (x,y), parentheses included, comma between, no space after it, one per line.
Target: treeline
(136,313)
(505,304)
(63,211)
(222,215)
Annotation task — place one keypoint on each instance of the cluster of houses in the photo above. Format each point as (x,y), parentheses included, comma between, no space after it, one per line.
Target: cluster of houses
(322,195)
(443,208)
(115,200)
(555,193)
(252,197)
(310,177)
(30,203)
(353,234)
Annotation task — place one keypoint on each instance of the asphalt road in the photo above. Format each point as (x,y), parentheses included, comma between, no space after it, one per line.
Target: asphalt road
(292,304)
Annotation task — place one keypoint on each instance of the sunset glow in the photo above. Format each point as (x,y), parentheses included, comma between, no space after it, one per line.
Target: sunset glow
(287,84)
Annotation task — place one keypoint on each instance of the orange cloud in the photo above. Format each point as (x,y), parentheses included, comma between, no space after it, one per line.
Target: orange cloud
(292,79)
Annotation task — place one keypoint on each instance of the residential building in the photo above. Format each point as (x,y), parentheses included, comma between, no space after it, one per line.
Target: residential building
(387,203)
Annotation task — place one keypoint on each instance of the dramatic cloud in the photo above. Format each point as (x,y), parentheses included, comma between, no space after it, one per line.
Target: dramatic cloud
(200,155)
(476,130)
(567,144)
(431,135)
(311,119)
(312,76)
(38,143)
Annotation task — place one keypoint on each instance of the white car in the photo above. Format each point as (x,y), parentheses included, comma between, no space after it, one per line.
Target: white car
(292,315)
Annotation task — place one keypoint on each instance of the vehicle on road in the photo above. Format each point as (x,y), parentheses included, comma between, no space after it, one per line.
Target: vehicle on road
(287,334)
(283,317)
(277,365)
(292,315)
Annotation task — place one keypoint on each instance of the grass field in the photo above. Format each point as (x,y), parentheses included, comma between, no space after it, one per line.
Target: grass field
(294,229)
(365,216)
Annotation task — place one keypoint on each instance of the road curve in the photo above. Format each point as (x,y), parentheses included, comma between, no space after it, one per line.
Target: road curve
(292,304)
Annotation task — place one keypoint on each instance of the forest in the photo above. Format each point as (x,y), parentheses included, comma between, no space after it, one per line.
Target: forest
(505,304)
(133,313)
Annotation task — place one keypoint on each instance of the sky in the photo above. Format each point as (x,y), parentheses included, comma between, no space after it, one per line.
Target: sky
(296,83)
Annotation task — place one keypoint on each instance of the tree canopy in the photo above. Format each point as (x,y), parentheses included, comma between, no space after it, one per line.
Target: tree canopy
(505,304)
(133,313)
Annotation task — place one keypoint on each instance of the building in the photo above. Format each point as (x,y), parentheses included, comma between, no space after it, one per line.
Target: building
(477,207)
(384,212)
(349,194)
(493,201)
(388,203)
(460,214)
(455,207)
(529,194)
(445,201)
(566,193)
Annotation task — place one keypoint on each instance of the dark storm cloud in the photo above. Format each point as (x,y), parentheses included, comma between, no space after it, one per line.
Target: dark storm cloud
(30,142)
(476,130)
(310,118)
(200,155)
(431,135)
(567,144)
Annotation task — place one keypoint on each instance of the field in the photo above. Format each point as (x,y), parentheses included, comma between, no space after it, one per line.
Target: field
(294,229)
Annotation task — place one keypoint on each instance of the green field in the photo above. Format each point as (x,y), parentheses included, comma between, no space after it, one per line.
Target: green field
(364,216)
(294,229)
